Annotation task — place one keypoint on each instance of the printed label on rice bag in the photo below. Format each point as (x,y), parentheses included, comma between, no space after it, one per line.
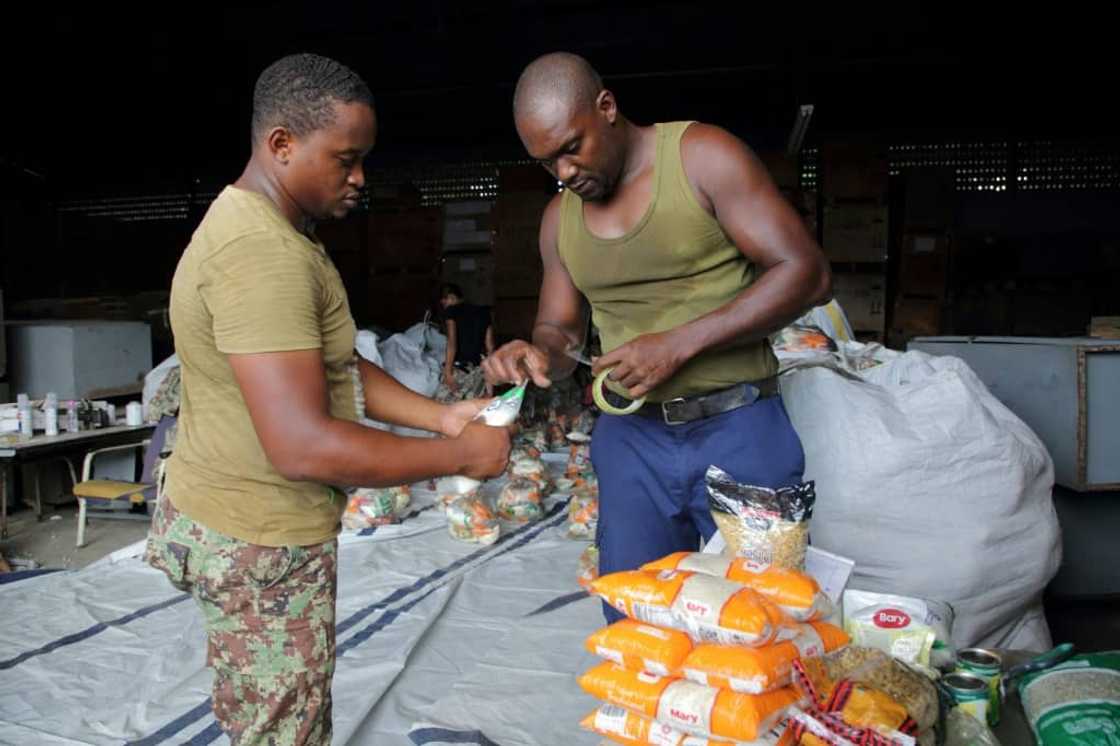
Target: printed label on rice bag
(658,615)
(661,734)
(688,706)
(608,654)
(708,564)
(611,719)
(645,629)
(700,677)
(655,667)
(702,598)
(754,685)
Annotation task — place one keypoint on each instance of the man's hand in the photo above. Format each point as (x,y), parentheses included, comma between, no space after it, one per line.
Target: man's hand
(511,362)
(644,363)
(456,416)
(484,450)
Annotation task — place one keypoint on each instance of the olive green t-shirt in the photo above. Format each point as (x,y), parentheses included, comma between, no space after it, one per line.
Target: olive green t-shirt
(249,282)
(674,266)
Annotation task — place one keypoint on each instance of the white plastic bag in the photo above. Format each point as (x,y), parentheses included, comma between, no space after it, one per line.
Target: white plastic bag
(934,488)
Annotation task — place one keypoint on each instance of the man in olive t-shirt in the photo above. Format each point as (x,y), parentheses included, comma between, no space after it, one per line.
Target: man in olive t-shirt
(268,426)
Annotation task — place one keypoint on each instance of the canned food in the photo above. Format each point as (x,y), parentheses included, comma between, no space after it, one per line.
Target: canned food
(971,694)
(987,665)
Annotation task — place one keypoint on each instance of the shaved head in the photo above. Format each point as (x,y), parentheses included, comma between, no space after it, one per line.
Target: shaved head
(556,84)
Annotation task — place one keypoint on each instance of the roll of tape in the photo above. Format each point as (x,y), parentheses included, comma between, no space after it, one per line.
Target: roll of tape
(606,406)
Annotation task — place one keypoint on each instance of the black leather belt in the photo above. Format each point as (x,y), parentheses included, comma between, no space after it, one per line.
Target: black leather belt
(691,408)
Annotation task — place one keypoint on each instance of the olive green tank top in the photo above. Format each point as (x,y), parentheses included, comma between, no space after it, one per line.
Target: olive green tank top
(674,266)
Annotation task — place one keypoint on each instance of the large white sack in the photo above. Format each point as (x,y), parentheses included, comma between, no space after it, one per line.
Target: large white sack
(155,377)
(405,360)
(934,488)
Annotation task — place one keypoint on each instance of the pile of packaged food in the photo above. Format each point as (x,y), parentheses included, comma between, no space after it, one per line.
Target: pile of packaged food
(370,507)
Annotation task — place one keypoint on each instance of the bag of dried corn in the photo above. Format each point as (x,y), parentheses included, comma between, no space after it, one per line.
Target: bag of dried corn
(768,527)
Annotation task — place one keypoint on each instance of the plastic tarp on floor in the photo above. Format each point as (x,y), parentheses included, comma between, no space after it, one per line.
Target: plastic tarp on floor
(438,642)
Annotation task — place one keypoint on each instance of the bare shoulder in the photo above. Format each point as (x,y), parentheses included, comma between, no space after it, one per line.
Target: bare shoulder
(714,159)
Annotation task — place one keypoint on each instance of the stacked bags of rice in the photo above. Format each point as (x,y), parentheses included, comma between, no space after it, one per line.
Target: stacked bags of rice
(707,651)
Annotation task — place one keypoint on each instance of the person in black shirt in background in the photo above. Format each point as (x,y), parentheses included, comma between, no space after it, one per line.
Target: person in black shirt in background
(470,336)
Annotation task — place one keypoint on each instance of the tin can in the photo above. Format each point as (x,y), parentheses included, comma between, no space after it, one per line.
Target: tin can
(971,693)
(987,665)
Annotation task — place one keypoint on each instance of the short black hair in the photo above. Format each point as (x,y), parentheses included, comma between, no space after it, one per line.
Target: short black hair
(298,92)
(560,77)
(450,288)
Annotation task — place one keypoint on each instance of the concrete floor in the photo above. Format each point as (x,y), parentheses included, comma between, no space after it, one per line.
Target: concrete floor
(50,543)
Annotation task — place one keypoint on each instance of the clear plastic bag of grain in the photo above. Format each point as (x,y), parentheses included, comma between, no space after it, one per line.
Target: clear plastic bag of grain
(764,526)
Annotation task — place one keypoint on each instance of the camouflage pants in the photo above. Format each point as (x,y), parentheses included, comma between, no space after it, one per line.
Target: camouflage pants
(269,614)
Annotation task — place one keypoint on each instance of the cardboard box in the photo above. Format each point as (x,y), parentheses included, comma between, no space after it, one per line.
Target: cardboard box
(410,239)
(863,298)
(923,267)
(514,317)
(855,233)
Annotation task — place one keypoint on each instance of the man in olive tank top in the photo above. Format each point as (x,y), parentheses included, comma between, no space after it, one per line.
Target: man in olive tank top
(676,240)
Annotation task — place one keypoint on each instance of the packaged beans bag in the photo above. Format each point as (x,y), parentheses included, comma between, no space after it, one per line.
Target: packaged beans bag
(641,647)
(709,609)
(631,729)
(588,567)
(370,507)
(795,593)
(758,670)
(767,527)
(693,708)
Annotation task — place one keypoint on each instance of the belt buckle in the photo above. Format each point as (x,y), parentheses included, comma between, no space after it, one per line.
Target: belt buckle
(665,411)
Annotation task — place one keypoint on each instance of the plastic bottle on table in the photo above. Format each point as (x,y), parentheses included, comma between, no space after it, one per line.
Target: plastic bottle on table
(73,424)
(51,414)
(23,402)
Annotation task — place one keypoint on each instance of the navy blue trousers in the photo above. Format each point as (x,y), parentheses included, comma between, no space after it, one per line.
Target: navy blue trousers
(652,496)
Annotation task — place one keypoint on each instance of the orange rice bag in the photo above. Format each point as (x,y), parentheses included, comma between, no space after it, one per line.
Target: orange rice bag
(758,670)
(631,729)
(641,647)
(795,593)
(708,608)
(688,706)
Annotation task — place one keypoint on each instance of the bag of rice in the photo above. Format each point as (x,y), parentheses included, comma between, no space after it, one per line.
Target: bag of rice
(709,609)
(583,516)
(631,729)
(1076,703)
(768,527)
(469,519)
(520,501)
(795,593)
(693,708)
(758,670)
(641,647)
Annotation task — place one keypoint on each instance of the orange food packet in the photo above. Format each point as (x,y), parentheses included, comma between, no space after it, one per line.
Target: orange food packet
(641,647)
(708,608)
(758,670)
(693,708)
(631,729)
(795,593)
